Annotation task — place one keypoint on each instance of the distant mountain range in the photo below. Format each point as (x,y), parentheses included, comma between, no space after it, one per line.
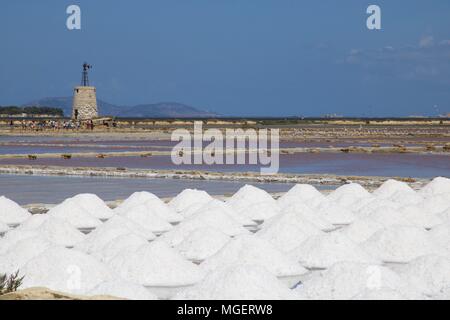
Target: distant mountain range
(155,110)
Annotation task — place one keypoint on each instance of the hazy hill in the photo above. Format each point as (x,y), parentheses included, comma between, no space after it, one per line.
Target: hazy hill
(156,110)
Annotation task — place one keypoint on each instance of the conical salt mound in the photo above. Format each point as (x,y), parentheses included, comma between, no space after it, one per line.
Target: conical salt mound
(361,229)
(215,204)
(287,231)
(118,245)
(324,250)
(387,217)
(345,280)
(253,250)
(241,282)
(415,216)
(248,195)
(260,211)
(71,211)
(94,205)
(299,194)
(189,197)
(65,270)
(353,189)
(214,217)
(441,235)
(136,199)
(132,226)
(21,252)
(13,236)
(439,185)
(152,204)
(202,243)
(100,237)
(55,230)
(430,273)
(390,187)
(335,213)
(122,289)
(156,264)
(307,213)
(401,244)
(11,213)
(146,218)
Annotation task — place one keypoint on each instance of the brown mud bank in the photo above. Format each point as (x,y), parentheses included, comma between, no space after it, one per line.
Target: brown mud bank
(39,293)
(317,179)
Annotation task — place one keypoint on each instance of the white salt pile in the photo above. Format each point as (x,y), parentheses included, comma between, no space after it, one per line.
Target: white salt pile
(348,194)
(253,202)
(3,228)
(94,206)
(240,282)
(65,270)
(287,230)
(323,250)
(132,226)
(441,236)
(255,251)
(300,194)
(439,185)
(308,214)
(400,244)
(100,237)
(417,217)
(146,218)
(152,204)
(347,235)
(430,273)
(71,211)
(54,229)
(435,204)
(215,217)
(156,265)
(391,187)
(217,205)
(137,198)
(12,237)
(21,252)
(345,280)
(361,229)
(123,289)
(365,208)
(259,211)
(188,198)
(118,245)
(445,216)
(202,243)
(335,213)
(11,213)
(387,217)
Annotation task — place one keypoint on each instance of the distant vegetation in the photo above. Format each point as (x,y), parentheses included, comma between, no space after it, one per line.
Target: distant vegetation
(32,110)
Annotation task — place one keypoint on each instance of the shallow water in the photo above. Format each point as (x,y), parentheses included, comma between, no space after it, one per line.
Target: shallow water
(390,165)
(29,189)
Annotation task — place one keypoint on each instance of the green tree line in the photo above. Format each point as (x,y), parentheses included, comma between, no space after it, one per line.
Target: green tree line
(33,110)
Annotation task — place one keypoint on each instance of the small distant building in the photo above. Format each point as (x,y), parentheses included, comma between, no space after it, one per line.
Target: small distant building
(84,105)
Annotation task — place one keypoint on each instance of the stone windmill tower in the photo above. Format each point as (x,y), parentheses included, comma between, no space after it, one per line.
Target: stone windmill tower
(84,105)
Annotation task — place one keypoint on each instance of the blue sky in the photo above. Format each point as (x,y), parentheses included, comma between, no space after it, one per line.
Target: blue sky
(246,57)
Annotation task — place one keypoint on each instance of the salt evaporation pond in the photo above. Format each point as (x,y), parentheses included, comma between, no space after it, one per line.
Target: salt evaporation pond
(393,243)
